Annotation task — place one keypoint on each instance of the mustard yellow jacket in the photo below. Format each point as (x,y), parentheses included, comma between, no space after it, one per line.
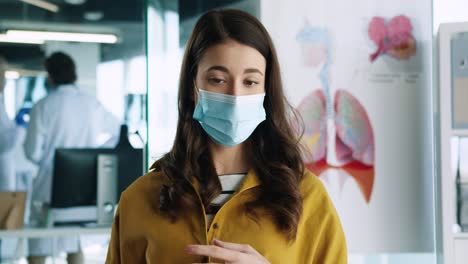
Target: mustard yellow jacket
(141,234)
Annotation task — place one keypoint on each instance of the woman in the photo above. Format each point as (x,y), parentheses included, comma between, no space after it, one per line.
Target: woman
(233,188)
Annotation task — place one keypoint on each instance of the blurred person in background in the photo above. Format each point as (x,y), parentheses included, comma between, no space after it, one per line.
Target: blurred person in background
(66,118)
(8,138)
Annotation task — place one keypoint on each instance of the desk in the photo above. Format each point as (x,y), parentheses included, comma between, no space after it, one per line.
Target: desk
(54,232)
(25,233)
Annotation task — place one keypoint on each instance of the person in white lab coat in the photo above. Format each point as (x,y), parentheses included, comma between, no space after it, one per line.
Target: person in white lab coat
(8,138)
(66,118)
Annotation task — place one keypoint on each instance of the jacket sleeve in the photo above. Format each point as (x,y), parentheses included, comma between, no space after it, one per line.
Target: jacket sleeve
(331,241)
(128,241)
(7,138)
(109,125)
(7,129)
(35,137)
(113,252)
(331,247)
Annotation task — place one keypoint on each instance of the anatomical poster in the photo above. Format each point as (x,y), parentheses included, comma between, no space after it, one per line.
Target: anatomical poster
(357,72)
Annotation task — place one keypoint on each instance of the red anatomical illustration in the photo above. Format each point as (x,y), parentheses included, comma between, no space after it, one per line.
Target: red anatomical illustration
(338,133)
(394,38)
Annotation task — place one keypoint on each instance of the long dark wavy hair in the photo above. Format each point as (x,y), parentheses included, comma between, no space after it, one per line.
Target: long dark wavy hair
(273,147)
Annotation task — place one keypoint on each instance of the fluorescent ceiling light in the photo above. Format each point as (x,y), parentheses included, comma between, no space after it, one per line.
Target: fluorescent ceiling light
(93,15)
(63,36)
(5,38)
(75,2)
(43,4)
(12,75)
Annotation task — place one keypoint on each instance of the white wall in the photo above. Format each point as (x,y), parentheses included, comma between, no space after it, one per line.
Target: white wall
(400,216)
(449,11)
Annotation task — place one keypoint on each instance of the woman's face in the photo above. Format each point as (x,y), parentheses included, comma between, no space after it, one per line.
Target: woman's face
(231,68)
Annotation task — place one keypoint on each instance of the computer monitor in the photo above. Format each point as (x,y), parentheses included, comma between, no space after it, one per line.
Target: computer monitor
(75,174)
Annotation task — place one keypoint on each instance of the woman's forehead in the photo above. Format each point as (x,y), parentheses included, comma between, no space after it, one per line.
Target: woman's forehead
(233,56)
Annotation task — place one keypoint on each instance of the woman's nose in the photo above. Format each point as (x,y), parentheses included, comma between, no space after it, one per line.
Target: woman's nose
(235,88)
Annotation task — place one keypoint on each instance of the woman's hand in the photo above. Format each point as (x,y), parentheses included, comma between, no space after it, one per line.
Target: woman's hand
(231,253)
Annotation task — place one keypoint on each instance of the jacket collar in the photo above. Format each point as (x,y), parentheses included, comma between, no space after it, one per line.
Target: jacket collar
(65,87)
(251,180)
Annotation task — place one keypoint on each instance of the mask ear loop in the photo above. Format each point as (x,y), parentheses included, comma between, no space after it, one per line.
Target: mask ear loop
(196,93)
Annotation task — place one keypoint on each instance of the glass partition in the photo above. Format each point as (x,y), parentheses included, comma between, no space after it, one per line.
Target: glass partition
(106,41)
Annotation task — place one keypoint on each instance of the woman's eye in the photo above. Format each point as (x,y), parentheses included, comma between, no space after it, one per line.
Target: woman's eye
(216,80)
(250,83)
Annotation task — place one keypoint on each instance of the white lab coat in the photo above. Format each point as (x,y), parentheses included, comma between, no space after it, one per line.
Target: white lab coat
(8,139)
(66,118)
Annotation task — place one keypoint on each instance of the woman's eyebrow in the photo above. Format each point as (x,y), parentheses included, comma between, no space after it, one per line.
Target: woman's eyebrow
(218,68)
(253,70)
(224,69)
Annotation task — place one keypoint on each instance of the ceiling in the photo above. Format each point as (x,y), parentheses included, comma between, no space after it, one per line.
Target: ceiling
(112,10)
(125,15)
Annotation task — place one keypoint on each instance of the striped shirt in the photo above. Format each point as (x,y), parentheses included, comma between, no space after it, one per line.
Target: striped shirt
(229,184)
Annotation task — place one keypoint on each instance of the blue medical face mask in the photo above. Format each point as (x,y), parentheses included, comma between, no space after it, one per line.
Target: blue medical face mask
(229,120)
